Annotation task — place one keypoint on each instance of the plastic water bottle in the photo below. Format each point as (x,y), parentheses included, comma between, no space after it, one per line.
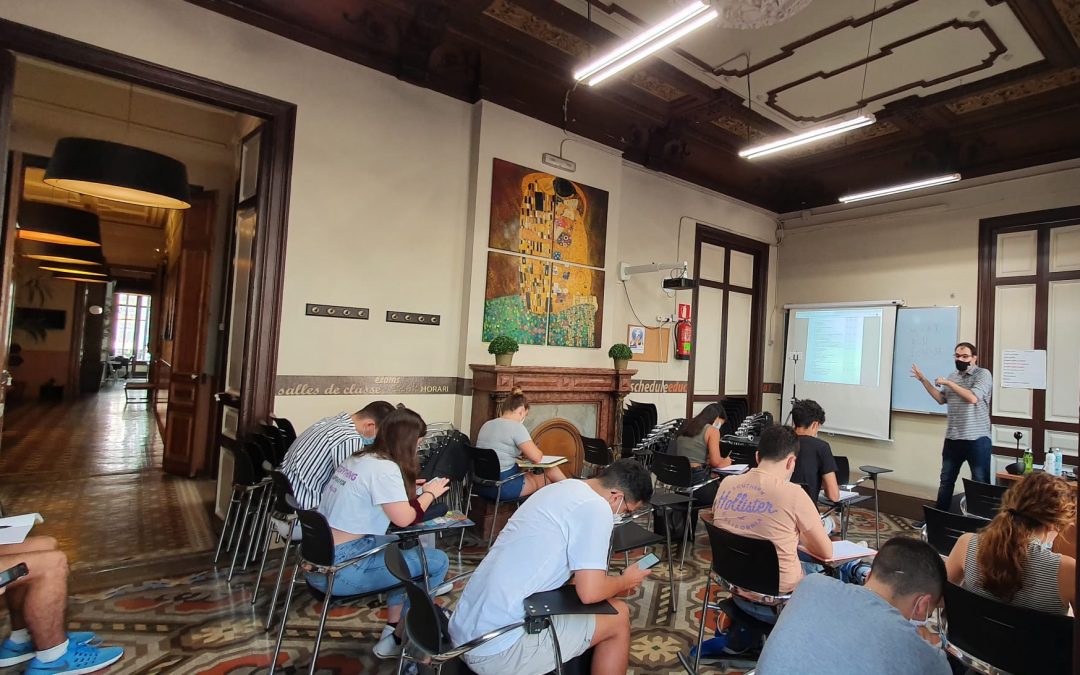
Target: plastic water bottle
(1054,461)
(1048,462)
(1029,461)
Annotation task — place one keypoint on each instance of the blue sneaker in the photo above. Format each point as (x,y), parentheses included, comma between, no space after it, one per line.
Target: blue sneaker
(77,660)
(713,648)
(14,653)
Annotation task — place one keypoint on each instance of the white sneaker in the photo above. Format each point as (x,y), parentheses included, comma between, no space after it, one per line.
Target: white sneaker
(387,647)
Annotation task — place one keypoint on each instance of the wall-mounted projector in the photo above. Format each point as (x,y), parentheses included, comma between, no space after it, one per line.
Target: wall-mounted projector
(680,283)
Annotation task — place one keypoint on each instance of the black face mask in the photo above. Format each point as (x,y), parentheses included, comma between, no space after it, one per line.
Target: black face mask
(962,365)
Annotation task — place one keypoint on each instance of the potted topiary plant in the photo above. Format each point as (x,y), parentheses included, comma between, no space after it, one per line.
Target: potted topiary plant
(622,355)
(503,347)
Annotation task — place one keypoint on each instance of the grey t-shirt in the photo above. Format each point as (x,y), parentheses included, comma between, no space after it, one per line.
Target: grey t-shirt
(845,629)
(969,421)
(503,436)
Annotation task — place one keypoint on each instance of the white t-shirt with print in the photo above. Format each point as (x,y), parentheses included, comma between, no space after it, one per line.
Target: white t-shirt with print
(564,527)
(353,497)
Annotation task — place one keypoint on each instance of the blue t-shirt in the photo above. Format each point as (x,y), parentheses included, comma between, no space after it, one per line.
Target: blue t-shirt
(844,629)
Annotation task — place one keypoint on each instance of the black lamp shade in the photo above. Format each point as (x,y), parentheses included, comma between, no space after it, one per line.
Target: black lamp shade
(58,224)
(74,270)
(63,253)
(119,172)
(86,280)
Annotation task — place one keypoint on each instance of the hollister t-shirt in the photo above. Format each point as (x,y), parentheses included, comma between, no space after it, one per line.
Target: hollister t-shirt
(760,505)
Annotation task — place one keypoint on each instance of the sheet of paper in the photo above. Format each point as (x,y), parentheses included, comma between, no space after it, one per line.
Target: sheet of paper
(734,469)
(13,530)
(847,549)
(1023,368)
(546,460)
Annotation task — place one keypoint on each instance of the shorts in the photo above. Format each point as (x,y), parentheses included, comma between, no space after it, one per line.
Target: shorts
(535,654)
(510,490)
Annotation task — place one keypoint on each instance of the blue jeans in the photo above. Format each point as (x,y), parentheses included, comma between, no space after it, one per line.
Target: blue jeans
(510,490)
(370,574)
(953,455)
(850,572)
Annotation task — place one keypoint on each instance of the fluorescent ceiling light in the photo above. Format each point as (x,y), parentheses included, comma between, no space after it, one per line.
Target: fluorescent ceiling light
(651,41)
(904,187)
(806,137)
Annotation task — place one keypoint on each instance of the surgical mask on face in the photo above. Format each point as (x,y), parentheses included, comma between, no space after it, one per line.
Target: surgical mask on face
(617,514)
(1044,545)
(962,365)
(717,425)
(368,441)
(918,623)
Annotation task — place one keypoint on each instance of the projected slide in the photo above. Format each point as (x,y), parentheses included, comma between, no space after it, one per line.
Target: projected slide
(834,349)
(845,364)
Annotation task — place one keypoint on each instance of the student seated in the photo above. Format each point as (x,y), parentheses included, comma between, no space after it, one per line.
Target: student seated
(815,466)
(563,529)
(36,603)
(764,504)
(368,492)
(1011,559)
(510,440)
(842,629)
(699,441)
(313,456)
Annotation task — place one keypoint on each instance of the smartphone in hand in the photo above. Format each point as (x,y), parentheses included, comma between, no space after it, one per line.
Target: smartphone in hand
(648,561)
(13,573)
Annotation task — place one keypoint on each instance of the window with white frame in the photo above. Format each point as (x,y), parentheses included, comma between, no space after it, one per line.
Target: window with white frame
(131,325)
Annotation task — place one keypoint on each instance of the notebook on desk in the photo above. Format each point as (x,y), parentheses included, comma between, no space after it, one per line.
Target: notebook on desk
(13,530)
(733,470)
(452,520)
(844,496)
(844,550)
(546,462)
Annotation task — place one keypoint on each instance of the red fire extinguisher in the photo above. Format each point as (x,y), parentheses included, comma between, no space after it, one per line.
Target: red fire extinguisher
(683,336)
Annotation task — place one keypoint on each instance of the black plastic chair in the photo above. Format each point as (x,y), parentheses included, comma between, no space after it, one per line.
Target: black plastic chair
(745,567)
(247,491)
(992,637)
(282,512)
(843,506)
(741,451)
(942,529)
(597,453)
(317,557)
(981,500)
(675,472)
(287,427)
(486,471)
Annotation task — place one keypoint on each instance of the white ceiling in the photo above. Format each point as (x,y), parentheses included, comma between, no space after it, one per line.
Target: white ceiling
(956,35)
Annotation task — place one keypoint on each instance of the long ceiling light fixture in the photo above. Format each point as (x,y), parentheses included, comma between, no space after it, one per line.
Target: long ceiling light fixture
(73,271)
(49,223)
(119,172)
(65,253)
(86,280)
(807,137)
(903,187)
(651,41)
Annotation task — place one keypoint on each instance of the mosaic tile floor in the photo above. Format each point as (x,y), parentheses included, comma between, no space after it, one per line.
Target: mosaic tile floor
(198,623)
(92,468)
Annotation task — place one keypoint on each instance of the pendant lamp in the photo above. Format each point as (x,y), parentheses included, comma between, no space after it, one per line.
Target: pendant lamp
(64,253)
(86,280)
(58,224)
(118,172)
(72,270)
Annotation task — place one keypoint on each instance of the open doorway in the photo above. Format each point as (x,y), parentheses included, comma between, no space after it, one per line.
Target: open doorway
(115,361)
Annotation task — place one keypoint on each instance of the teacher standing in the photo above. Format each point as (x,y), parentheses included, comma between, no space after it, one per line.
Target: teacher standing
(967,392)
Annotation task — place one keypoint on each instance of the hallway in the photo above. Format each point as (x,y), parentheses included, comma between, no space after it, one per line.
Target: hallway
(92,468)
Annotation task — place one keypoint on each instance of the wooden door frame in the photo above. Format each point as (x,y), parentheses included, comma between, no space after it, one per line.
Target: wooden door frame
(758,294)
(275,176)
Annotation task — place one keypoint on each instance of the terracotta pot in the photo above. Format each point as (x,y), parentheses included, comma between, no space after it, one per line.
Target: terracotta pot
(620,364)
(504,359)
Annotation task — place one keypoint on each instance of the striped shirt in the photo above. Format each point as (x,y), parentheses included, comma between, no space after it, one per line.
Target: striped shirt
(316,453)
(1039,586)
(968,421)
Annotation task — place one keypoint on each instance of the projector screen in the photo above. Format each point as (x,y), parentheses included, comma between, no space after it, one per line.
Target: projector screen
(845,364)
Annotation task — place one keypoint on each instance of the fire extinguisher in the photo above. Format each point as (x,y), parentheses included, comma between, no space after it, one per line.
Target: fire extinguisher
(683,336)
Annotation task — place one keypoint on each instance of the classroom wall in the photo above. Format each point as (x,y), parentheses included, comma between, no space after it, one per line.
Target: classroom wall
(45,356)
(923,250)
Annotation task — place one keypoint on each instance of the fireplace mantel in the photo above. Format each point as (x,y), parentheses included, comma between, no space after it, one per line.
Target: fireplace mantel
(604,387)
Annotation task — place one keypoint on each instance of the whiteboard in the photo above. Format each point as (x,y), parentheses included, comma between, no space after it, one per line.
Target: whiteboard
(925,336)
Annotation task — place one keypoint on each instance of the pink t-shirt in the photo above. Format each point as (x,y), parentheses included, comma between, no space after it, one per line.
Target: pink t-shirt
(760,505)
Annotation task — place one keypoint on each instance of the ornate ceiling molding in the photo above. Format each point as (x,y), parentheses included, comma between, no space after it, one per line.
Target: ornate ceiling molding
(1015,91)
(1070,14)
(997,49)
